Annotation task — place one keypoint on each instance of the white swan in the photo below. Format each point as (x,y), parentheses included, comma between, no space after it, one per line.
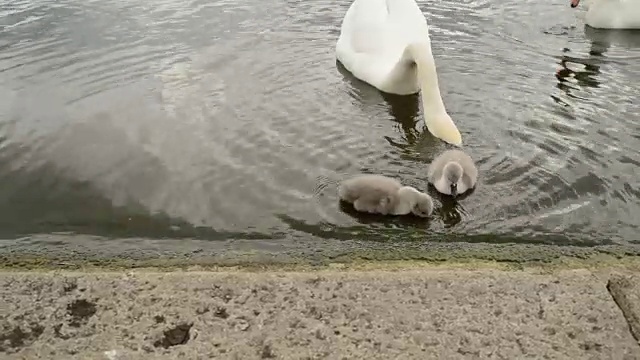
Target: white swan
(386,44)
(611,14)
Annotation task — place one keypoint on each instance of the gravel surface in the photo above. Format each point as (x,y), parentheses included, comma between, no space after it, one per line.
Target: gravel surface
(373,314)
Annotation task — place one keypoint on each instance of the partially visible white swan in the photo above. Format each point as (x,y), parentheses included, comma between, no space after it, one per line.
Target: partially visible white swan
(386,44)
(611,14)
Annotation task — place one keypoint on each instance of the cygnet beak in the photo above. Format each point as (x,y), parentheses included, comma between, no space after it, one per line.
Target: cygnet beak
(574,3)
(454,190)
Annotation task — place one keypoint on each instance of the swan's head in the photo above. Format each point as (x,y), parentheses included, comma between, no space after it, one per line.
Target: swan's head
(574,3)
(452,174)
(443,127)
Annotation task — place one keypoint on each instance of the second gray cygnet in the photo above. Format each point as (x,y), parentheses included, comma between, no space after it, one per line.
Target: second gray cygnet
(453,172)
(383,195)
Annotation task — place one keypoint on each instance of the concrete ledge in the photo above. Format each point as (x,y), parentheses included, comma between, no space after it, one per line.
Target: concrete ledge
(412,314)
(626,293)
(79,251)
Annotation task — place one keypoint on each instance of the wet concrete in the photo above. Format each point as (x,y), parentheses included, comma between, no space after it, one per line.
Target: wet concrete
(419,313)
(75,251)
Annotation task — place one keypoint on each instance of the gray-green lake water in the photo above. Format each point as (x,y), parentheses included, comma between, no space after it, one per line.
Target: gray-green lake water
(231,120)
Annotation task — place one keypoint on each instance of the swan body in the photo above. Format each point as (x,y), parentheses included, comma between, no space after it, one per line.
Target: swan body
(611,14)
(379,194)
(453,172)
(386,44)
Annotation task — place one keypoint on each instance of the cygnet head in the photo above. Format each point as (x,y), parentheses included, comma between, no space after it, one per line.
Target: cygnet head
(452,173)
(419,203)
(574,3)
(423,206)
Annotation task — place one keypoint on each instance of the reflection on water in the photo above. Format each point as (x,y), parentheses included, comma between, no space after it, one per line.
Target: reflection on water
(601,40)
(404,110)
(201,120)
(585,77)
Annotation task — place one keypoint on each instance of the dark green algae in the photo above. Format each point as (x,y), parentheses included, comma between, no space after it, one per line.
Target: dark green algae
(515,255)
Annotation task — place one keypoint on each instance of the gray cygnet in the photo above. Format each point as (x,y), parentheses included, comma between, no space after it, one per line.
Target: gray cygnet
(453,172)
(383,195)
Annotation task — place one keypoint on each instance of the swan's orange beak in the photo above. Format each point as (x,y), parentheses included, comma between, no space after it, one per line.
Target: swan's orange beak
(574,3)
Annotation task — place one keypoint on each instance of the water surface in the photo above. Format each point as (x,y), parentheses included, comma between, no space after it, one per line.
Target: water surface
(224,120)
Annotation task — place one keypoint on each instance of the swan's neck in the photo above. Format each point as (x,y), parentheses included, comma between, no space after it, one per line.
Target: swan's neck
(432,102)
(436,117)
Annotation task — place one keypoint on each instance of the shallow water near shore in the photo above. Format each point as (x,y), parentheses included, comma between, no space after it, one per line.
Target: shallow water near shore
(220,121)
